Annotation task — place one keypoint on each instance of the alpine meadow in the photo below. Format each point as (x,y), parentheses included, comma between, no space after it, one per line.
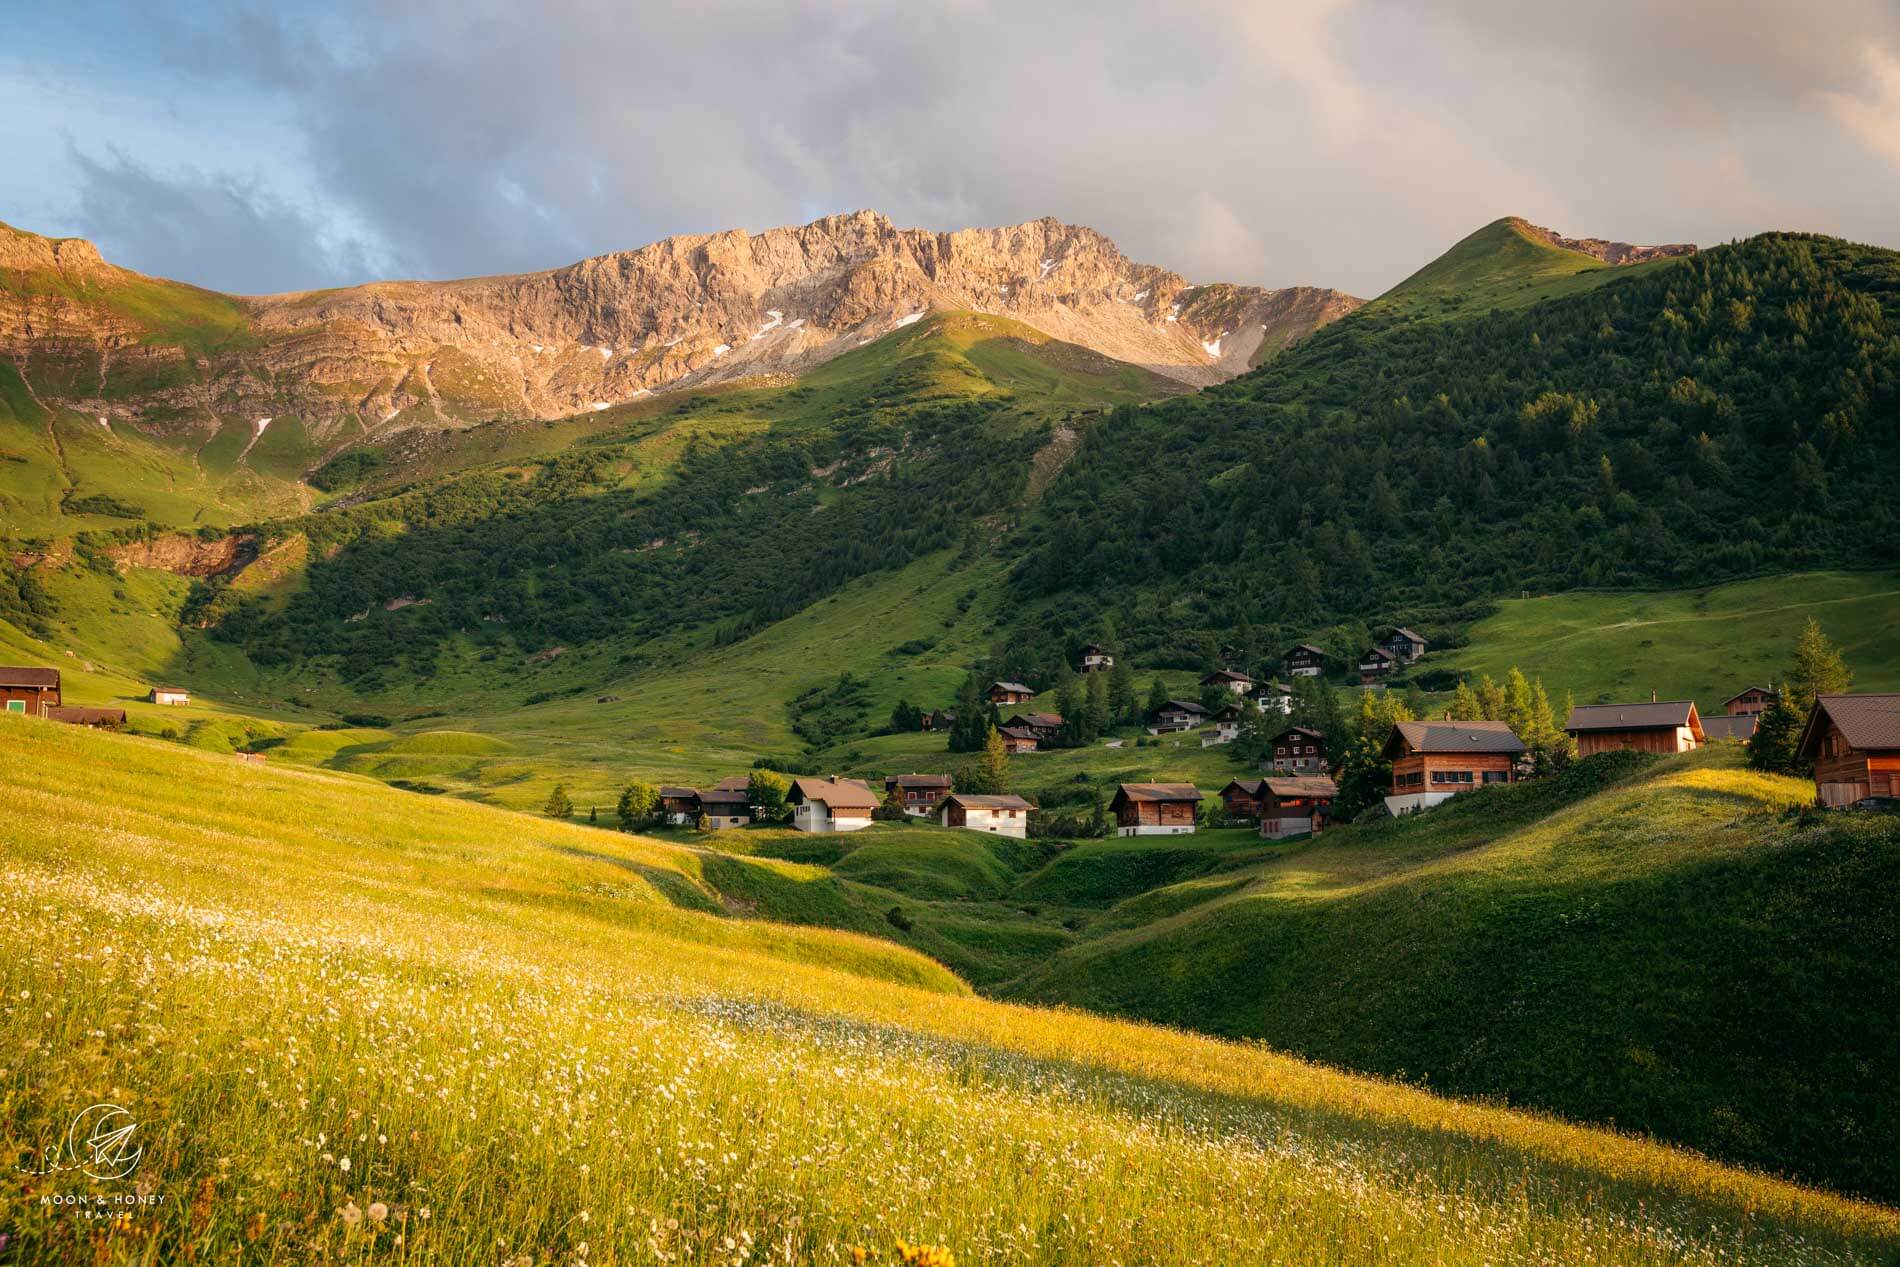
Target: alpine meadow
(851,743)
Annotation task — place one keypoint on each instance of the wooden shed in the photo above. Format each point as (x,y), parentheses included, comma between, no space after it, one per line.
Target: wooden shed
(1854,743)
(1658,726)
(1155,809)
(27,690)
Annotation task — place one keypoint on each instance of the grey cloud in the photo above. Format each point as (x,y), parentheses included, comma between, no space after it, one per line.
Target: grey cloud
(1337,143)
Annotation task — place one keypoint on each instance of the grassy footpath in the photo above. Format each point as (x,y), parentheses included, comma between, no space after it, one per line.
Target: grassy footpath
(1678,952)
(349,1029)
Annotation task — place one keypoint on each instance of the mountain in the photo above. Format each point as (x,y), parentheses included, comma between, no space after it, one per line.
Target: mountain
(686,312)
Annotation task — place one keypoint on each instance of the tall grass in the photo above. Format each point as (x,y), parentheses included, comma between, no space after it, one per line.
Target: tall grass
(355,1025)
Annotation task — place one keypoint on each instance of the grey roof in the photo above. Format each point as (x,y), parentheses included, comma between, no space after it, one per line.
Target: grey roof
(1662,715)
(1252,787)
(1051,721)
(1403,632)
(723,796)
(1867,722)
(1740,726)
(1456,736)
(678,793)
(1012,686)
(22,675)
(1185,706)
(973,801)
(1765,690)
(1160,792)
(82,715)
(917,780)
(1300,730)
(1219,676)
(1307,646)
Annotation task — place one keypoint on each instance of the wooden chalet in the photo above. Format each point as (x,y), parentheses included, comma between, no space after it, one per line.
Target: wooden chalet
(1155,809)
(78,715)
(1305,660)
(173,695)
(1854,743)
(1010,693)
(833,804)
(1739,726)
(1658,726)
(1018,739)
(1435,760)
(1228,679)
(1295,805)
(1041,725)
(1177,715)
(1272,697)
(1096,658)
(1226,727)
(941,719)
(1297,749)
(1241,798)
(1000,815)
(919,792)
(28,690)
(1750,701)
(1377,663)
(679,805)
(725,805)
(1403,645)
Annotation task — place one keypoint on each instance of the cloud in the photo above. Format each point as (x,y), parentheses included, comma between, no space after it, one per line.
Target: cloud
(1341,143)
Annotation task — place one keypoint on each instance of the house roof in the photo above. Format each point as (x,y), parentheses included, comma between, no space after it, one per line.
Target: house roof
(1017,732)
(1094,648)
(1232,710)
(1271,688)
(1300,730)
(1455,736)
(1738,727)
(1050,720)
(1765,690)
(1305,646)
(678,793)
(22,675)
(1867,722)
(1663,715)
(1220,677)
(1380,652)
(1012,686)
(917,780)
(1317,785)
(1252,787)
(82,716)
(1403,632)
(1159,792)
(734,783)
(1184,706)
(973,801)
(723,796)
(836,793)
(170,690)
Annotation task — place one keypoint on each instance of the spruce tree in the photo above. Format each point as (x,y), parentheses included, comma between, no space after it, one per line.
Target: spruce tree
(990,775)
(558,805)
(1777,737)
(1095,710)
(1157,698)
(1121,693)
(1818,670)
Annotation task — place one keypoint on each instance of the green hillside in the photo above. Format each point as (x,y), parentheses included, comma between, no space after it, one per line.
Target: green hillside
(346,1030)
(1503,265)
(1676,954)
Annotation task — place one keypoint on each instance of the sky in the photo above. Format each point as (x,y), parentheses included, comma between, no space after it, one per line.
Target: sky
(257,148)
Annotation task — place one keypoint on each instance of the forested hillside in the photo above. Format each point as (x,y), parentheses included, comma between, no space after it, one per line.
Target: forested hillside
(1718,415)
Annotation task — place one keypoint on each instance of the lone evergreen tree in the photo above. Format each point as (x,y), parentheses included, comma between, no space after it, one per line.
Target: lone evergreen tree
(1818,670)
(558,805)
(990,775)
(1777,734)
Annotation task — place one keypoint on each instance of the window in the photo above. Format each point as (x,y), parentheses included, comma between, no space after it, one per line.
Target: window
(1451,776)
(1497,776)
(16,706)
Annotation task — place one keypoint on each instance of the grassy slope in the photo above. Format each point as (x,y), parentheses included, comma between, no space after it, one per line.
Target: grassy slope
(1671,954)
(1499,266)
(521,1044)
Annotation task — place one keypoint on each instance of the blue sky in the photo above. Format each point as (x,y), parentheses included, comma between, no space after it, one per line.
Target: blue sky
(1340,142)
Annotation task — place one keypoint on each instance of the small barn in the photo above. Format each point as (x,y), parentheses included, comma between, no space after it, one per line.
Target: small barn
(1295,805)
(1658,726)
(27,690)
(172,695)
(78,715)
(999,815)
(1155,809)
(1854,743)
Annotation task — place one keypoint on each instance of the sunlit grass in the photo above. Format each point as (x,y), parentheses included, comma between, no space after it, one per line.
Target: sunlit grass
(360,1025)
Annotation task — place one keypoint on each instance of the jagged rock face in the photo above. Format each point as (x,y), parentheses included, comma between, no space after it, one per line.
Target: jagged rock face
(682,312)
(1608,252)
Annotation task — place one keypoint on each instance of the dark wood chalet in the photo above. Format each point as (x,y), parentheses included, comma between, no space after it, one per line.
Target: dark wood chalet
(919,792)
(1305,660)
(1271,697)
(679,805)
(1241,798)
(941,719)
(1434,760)
(1016,739)
(1295,805)
(1739,726)
(1010,693)
(726,806)
(1403,645)
(1299,748)
(1041,725)
(1096,658)
(1177,715)
(1754,699)
(1375,664)
(1658,726)
(28,691)
(1854,743)
(1155,809)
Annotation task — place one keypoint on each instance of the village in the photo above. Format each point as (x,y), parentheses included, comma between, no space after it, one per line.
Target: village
(1851,741)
